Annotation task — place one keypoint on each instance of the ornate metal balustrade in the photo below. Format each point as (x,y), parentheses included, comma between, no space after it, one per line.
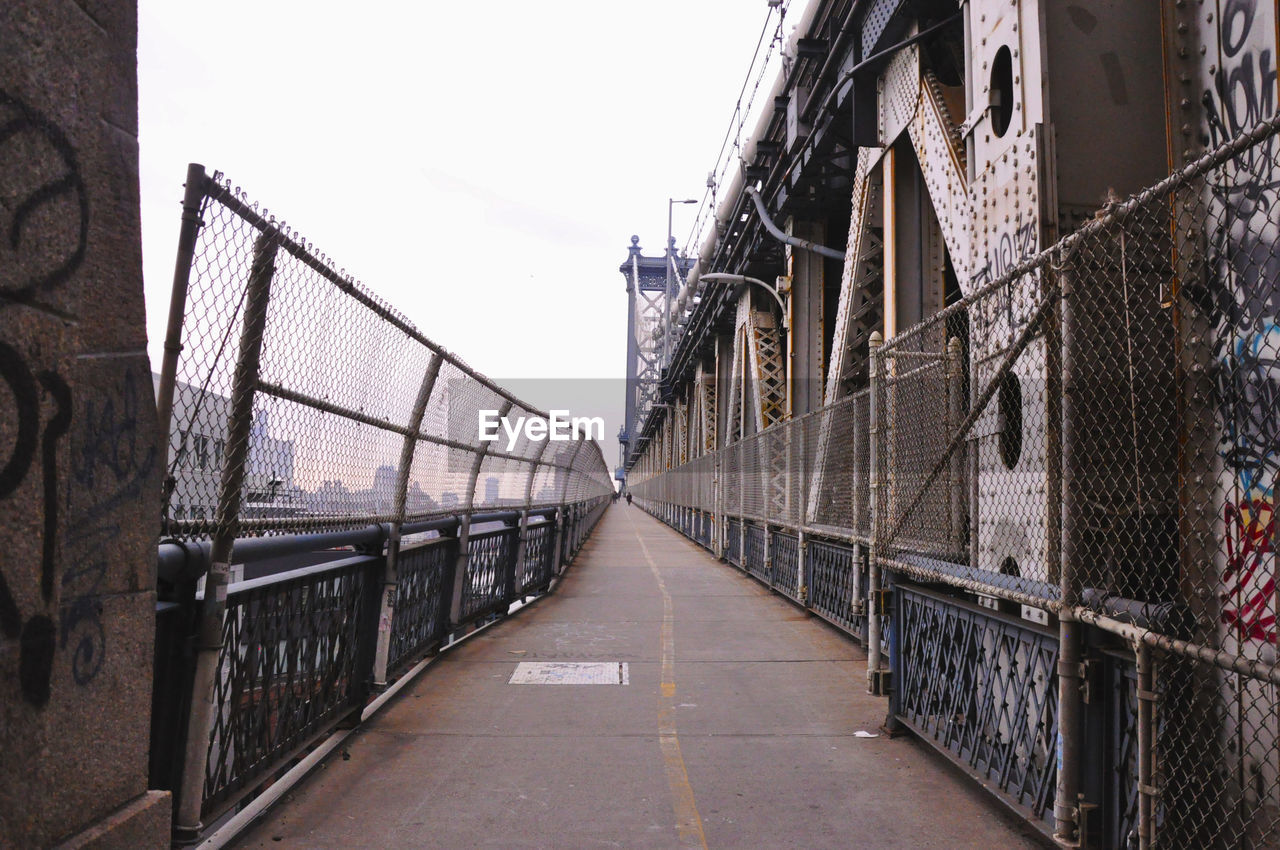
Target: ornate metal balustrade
(784,562)
(490,557)
(733,542)
(836,578)
(983,688)
(422,599)
(293,664)
(754,552)
(537,568)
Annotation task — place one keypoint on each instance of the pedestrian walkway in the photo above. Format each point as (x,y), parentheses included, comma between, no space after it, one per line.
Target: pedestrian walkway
(739,726)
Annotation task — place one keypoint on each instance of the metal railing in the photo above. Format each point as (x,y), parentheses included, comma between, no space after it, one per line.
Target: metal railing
(1053,513)
(303,417)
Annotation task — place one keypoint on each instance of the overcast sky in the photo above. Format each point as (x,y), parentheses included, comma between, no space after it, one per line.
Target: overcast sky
(481,166)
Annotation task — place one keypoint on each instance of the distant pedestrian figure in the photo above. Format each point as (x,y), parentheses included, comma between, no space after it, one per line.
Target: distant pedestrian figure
(628,498)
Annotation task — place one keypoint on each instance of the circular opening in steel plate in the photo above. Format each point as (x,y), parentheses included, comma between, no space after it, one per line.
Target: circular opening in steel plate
(1002,91)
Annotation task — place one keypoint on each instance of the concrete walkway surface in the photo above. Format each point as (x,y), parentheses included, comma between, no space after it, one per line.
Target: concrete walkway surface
(737,728)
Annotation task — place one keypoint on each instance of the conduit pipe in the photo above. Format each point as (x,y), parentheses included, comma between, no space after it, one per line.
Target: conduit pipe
(741,279)
(793,241)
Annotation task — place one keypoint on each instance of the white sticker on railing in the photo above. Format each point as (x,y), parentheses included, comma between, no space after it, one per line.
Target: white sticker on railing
(571,673)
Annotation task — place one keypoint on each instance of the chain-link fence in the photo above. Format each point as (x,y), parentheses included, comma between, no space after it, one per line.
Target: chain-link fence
(316,436)
(1092,439)
(324,406)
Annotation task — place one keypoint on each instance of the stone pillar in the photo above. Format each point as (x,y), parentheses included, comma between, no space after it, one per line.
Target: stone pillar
(79,471)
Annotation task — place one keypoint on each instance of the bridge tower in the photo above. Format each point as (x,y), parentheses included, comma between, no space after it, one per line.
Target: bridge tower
(648,297)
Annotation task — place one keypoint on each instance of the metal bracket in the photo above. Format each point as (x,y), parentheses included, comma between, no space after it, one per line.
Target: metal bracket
(882,599)
(881,682)
(971,120)
(1084,811)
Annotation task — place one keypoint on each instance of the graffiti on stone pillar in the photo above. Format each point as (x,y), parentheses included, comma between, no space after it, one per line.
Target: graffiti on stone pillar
(44,207)
(36,635)
(1244,274)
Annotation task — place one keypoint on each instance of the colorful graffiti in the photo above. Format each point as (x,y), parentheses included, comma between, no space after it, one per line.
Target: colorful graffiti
(1249,532)
(1245,271)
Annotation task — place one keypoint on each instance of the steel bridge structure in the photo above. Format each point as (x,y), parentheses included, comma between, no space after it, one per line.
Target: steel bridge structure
(977,360)
(973,353)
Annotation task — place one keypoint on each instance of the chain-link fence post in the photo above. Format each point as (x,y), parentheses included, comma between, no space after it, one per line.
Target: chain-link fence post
(766,458)
(955,416)
(213,608)
(1146,741)
(390,577)
(874,677)
(522,543)
(1066,807)
(192,200)
(717,504)
(801,490)
(742,502)
(562,513)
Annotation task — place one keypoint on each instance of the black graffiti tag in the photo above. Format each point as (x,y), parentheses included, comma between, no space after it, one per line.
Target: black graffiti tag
(37,635)
(111,462)
(44,196)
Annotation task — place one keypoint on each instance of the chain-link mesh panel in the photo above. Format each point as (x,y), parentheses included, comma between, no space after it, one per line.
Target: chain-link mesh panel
(328,408)
(202,388)
(921,508)
(1216,767)
(755,481)
(967,435)
(836,442)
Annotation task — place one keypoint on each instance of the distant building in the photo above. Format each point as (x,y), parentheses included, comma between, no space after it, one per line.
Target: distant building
(198,444)
(384,489)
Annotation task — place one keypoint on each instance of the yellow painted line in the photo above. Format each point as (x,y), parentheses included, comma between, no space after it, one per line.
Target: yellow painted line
(688,822)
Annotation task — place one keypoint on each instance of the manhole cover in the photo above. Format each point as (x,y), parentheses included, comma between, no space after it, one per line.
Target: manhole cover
(570,673)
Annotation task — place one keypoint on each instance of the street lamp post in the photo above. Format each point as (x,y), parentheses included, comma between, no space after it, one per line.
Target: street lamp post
(666,301)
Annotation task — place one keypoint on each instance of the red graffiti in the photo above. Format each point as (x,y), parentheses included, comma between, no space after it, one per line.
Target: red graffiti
(1249,579)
